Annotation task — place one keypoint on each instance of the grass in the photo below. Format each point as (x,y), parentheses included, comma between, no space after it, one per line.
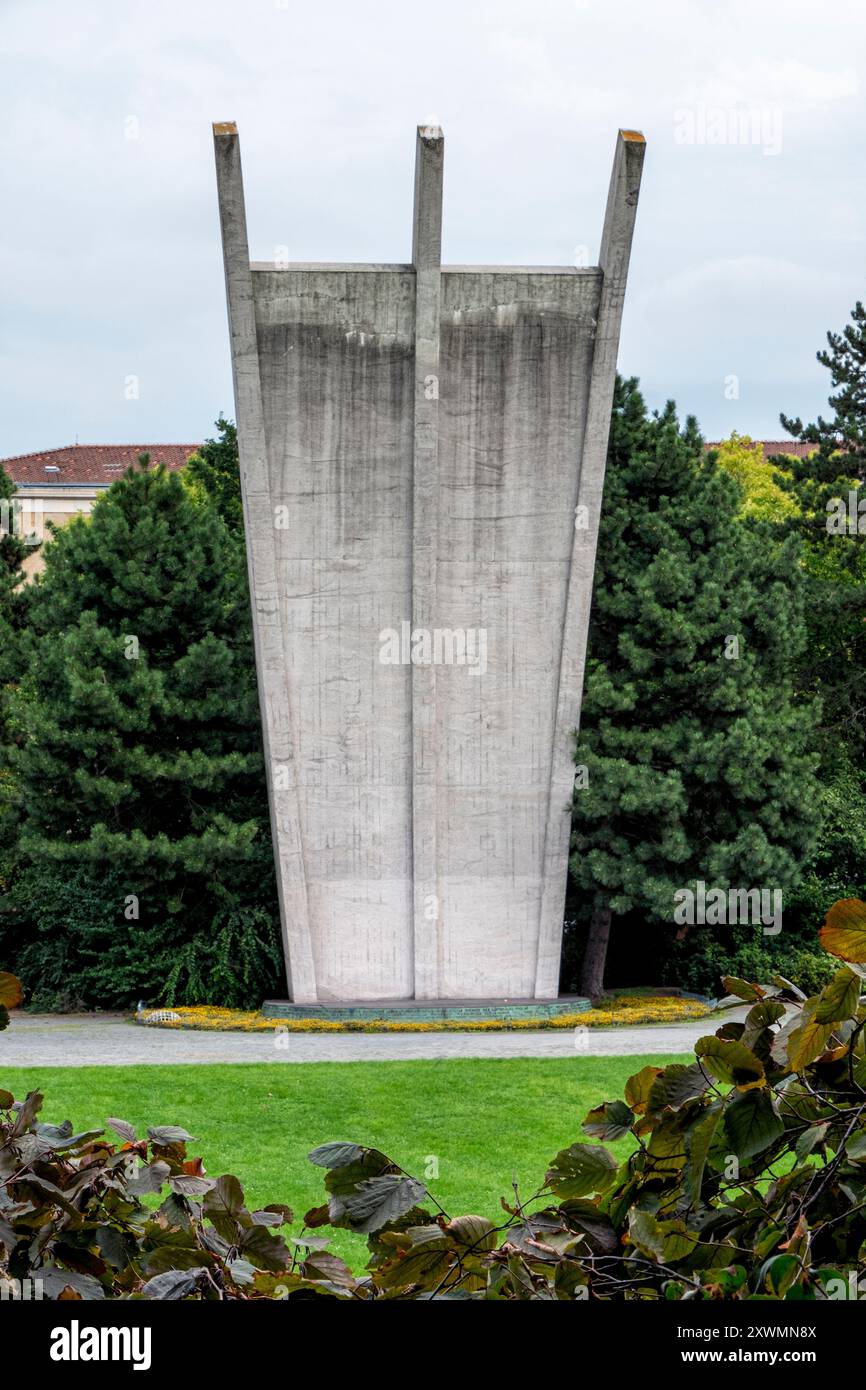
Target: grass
(483,1121)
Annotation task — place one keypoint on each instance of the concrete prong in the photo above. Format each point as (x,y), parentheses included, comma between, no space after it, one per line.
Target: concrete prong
(271,666)
(616,239)
(427,215)
(426,257)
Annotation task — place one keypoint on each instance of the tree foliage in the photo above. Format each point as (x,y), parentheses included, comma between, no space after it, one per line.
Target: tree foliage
(698,759)
(763,499)
(146,858)
(835,558)
(13,552)
(845,429)
(214,467)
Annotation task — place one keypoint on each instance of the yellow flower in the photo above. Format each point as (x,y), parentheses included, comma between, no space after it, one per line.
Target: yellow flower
(619,1011)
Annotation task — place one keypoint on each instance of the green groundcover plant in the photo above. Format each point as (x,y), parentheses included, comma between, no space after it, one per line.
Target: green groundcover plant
(747,1180)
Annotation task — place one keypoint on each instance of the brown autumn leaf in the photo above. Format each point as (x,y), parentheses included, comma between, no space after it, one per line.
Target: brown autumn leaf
(844,931)
(11,992)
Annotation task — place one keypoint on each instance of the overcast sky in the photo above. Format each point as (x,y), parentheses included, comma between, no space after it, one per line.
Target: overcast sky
(750,233)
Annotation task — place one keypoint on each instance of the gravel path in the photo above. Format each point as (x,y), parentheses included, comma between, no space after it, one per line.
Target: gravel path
(49,1040)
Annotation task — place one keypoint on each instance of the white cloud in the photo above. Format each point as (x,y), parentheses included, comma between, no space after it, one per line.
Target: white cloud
(113,244)
(787,81)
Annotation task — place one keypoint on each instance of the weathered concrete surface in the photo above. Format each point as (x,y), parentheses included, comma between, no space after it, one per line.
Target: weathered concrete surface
(426,512)
(336,355)
(516,366)
(414,442)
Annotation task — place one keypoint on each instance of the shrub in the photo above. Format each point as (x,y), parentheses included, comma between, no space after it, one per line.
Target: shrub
(75,1216)
(746,1179)
(79,951)
(707,954)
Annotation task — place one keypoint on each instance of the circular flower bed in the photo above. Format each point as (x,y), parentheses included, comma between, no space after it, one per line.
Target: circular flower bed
(617,1012)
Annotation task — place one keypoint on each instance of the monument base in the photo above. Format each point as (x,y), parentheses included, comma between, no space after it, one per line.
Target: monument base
(430,1010)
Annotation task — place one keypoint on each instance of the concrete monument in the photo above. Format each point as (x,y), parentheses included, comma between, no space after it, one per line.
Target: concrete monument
(422,454)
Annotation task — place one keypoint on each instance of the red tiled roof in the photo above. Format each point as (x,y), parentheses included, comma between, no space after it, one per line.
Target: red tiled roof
(796,448)
(91,463)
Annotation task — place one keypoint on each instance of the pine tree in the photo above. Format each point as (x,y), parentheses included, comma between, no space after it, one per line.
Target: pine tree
(845,359)
(140,773)
(697,760)
(14,548)
(834,555)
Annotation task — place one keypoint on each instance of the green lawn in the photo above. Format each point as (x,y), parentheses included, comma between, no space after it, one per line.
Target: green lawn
(484,1121)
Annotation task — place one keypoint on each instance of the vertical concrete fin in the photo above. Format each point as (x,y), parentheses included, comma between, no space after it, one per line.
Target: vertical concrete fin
(426,258)
(261,543)
(427,211)
(614,257)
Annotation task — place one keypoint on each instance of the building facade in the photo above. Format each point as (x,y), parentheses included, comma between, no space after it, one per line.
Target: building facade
(57,484)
